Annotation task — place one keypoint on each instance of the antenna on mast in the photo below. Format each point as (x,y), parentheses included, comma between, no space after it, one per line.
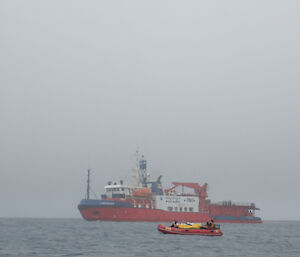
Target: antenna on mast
(88,179)
(141,174)
(137,172)
(88,184)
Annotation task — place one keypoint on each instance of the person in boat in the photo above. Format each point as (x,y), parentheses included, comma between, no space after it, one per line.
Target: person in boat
(207,224)
(174,224)
(210,224)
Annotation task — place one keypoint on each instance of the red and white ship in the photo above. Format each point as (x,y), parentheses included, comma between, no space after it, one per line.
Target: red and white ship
(147,201)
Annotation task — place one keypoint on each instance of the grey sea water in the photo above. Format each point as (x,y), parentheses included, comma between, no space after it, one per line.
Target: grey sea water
(77,237)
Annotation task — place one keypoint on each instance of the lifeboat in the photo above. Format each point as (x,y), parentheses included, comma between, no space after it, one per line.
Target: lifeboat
(180,230)
(142,192)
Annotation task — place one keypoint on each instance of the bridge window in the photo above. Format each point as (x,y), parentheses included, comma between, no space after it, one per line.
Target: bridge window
(176,208)
(185,208)
(170,208)
(180,208)
(191,209)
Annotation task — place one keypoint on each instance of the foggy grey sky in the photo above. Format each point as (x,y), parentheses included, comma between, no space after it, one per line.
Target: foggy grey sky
(209,90)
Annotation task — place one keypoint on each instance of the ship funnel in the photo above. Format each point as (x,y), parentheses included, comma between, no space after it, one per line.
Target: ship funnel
(156,187)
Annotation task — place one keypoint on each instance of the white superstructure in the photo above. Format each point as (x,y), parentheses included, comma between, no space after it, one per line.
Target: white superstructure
(177,203)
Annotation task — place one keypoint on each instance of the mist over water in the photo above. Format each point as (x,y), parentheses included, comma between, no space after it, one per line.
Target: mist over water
(209,90)
(76,237)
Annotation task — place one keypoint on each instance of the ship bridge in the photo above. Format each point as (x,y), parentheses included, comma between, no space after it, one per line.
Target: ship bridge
(116,190)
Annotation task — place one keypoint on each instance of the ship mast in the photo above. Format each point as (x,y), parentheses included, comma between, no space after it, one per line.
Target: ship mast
(137,170)
(141,174)
(88,184)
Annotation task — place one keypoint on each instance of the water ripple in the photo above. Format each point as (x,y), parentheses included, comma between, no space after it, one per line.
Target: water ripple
(76,237)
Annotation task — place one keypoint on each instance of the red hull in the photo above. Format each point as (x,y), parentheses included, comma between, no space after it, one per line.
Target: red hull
(148,215)
(239,221)
(179,231)
(136,214)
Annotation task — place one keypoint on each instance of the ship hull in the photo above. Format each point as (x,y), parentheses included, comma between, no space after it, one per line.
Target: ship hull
(136,214)
(148,215)
(239,221)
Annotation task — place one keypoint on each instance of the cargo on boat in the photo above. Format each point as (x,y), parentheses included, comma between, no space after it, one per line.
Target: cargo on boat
(202,231)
